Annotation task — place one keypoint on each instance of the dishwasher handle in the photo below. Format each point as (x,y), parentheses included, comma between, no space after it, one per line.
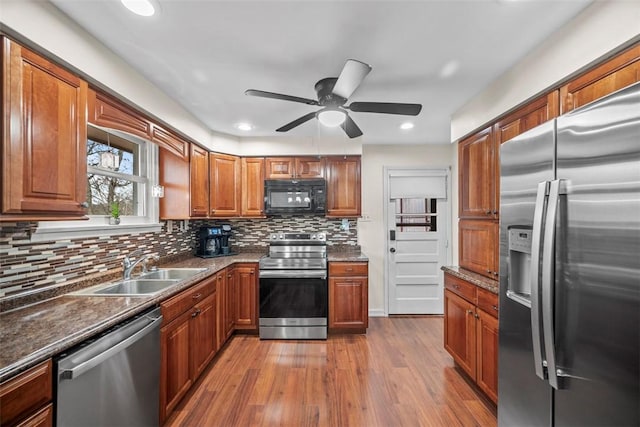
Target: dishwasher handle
(126,341)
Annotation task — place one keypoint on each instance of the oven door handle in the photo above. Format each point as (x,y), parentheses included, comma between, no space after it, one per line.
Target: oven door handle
(293,274)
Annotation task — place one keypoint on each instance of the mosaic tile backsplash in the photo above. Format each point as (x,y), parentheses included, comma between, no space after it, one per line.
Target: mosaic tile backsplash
(26,266)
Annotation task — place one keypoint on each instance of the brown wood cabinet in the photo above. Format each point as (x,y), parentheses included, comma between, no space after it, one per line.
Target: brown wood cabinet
(44,160)
(294,167)
(174,175)
(343,186)
(619,72)
(348,296)
(477,162)
(478,249)
(108,112)
(246,289)
(187,340)
(26,399)
(199,182)
(224,185)
(471,332)
(252,187)
(226,302)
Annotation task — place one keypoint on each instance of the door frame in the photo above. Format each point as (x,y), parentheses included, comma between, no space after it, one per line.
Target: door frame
(447,214)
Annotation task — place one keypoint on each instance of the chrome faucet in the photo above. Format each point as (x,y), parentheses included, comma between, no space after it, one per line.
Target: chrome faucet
(129,265)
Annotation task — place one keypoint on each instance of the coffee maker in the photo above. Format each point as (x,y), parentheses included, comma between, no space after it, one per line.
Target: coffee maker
(213,241)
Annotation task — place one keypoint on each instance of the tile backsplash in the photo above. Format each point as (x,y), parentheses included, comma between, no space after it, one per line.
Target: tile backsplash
(27,266)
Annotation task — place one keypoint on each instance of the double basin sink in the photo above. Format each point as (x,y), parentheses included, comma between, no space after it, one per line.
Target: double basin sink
(147,284)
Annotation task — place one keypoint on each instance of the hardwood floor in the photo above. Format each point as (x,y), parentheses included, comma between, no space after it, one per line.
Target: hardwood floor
(397,375)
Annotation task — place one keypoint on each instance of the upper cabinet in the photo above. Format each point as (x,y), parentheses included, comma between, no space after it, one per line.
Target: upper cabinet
(294,167)
(477,158)
(224,185)
(343,186)
(174,174)
(110,113)
(44,165)
(617,73)
(199,182)
(252,187)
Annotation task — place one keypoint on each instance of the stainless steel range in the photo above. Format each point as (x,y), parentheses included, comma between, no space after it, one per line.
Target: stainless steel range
(293,287)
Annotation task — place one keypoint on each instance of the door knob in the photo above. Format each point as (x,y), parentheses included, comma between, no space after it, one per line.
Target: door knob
(392,250)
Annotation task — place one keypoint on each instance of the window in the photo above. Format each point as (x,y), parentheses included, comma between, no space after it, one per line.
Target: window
(416,214)
(115,174)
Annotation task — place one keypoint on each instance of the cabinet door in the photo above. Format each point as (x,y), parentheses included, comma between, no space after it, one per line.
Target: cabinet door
(42,418)
(617,73)
(252,187)
(221,291)
(111,113)
(343,186)
(479,246)
(279,167)
(348,302)
(310,167)
(460,331)
(175,375)
(224,184)
(203,334)
(44,149)
(477,176)
(174,176)
(199,182)
(230,303)
(26,393)
(246,285)
(487,354)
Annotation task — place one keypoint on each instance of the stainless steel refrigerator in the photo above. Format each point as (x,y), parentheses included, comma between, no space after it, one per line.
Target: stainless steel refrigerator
(569,340)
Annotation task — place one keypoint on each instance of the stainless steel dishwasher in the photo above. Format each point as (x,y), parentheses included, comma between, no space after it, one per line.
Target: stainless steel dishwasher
(114,379)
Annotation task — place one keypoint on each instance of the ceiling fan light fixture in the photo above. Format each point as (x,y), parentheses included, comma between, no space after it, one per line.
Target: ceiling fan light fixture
(140,7)
(332,117)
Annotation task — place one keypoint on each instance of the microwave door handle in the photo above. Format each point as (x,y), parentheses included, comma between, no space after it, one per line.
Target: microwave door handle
(536,248)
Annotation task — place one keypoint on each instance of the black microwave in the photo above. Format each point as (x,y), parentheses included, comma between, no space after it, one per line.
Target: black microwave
(295,196)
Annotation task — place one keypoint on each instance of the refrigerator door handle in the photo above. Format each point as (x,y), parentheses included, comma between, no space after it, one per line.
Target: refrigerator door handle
(548,282)
(536,248)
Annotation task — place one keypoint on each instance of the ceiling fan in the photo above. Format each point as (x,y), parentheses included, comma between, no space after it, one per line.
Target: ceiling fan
(333,93)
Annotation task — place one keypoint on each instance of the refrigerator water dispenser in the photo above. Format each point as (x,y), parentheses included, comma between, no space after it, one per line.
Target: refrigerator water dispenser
(519,282)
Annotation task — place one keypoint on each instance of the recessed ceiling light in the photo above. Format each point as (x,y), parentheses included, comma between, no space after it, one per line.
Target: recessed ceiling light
(140,7)
(406,126)
(449,69)
(243,126)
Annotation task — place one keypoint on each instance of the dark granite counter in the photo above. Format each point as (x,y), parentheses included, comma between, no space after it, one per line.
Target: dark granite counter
(474,278)
(33,333)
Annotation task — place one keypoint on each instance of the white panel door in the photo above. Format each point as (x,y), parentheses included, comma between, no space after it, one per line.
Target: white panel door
(417,248)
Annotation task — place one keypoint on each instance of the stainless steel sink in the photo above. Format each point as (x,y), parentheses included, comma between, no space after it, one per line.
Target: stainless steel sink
(172,273)
(129,287)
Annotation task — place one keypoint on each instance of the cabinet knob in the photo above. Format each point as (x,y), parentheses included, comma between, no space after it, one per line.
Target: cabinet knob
(252,272)
(495,273)
(456,286)
(489,271)
(495,212)
(476,316)
(495,307)
(84,205)
(488,212)
(197,296)
(195,313)
(469,312)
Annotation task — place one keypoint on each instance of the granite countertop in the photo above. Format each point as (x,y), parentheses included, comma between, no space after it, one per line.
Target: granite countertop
(475,278)
(33,333)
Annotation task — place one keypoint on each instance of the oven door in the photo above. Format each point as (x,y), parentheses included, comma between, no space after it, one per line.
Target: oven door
(293,304)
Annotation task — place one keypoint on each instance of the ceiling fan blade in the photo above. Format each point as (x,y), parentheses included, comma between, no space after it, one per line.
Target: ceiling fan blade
(297,122)
(263,94)
(350,78)
(351,128)
(386,108)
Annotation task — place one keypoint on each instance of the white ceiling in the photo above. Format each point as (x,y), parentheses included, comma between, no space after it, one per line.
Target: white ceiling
(205,54)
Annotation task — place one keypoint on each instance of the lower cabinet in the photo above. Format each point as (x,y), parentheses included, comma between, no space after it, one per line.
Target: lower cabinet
(471,332)
(26,399)
(226,302)
(188,341)
(246,287)
(348,296)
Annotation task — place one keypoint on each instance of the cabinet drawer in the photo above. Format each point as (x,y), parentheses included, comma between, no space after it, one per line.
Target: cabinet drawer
(348,269)
(26,393)
(488,302)
(458,286)
(182,302)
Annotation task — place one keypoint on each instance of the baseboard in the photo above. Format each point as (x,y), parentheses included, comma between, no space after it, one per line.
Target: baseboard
(377,313)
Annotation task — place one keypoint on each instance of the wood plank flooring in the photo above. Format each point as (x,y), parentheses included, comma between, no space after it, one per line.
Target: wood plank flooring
(398,374)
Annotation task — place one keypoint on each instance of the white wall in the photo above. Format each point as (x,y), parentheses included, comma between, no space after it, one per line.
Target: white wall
(43,24)
(599,29)
(371,228)
(286,145)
